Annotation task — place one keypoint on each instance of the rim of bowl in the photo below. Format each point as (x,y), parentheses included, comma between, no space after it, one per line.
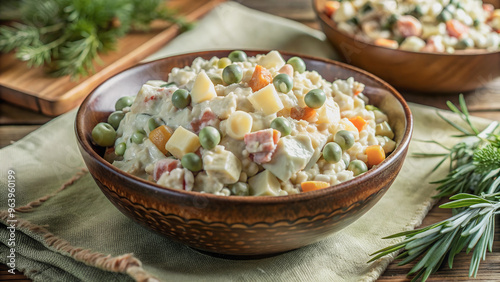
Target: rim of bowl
(331,23)
(399,152)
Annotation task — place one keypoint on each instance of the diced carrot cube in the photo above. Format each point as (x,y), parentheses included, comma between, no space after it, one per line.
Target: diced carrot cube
(302,113)
(308,186)
(375,154)
(331,7)
(261,77)
(393,44)
(160,136)
(359,122)
(276,136)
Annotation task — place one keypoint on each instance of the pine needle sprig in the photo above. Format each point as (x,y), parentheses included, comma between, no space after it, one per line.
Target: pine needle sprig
(10,10)
(67,36)
(473,181)
(464,177)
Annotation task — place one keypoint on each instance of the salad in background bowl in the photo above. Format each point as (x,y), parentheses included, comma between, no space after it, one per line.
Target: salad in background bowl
(419,46)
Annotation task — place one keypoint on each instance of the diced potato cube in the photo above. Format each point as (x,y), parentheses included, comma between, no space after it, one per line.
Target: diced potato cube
(223,107)
(412,43)
(273,59)
(329,112)
(145,93)
(203,89)
(292,154)
(264,184)
(384,129)
(238,124)
(345,12)
(222,165)
(182,142)
(266,100)
(387,144)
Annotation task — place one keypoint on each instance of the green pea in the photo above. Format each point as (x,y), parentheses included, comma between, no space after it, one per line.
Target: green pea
(115,118)
(282,125)
(357,167)
(367,7)
(477,23)
(223,62)
(417,12)
(354,21)
(192,162)
(104,134)
(345,139)
(391,20)
(283,83)
(123,102)
(152,124)
(138,136)
(332,152)
(237,56)
(444,16)
(120,149)
(297,64)
(315,98)
(464,44)
(181,98)
(232,74)
(215,78)
(209,137)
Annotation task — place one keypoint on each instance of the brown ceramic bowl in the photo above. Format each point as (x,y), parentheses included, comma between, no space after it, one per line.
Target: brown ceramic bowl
(413,71)
(238,225)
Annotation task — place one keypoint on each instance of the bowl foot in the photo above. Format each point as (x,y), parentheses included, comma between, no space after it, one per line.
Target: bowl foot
(237,257)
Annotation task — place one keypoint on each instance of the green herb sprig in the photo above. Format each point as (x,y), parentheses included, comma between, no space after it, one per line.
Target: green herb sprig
(471,169)
(474,183)
(66,36)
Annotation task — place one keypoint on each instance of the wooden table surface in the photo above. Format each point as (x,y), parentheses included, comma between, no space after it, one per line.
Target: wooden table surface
(16,122)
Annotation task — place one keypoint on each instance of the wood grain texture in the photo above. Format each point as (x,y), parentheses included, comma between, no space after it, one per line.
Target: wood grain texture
(484,102)
(12,115)
(35,90)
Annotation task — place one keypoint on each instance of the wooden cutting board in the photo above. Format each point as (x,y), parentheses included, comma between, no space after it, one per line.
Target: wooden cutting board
(35,90)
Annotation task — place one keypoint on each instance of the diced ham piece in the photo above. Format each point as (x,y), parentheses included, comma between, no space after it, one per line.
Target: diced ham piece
(262,144)
(207,118)
(288,69)
(165,165)
(455,28)
(433,46)
(489,8)
(409,26)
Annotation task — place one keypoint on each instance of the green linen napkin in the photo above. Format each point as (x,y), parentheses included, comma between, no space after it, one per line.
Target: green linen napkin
(66,230)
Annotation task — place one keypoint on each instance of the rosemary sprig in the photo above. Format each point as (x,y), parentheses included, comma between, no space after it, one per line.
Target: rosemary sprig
(473,182)
(66,36)
(471,229)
